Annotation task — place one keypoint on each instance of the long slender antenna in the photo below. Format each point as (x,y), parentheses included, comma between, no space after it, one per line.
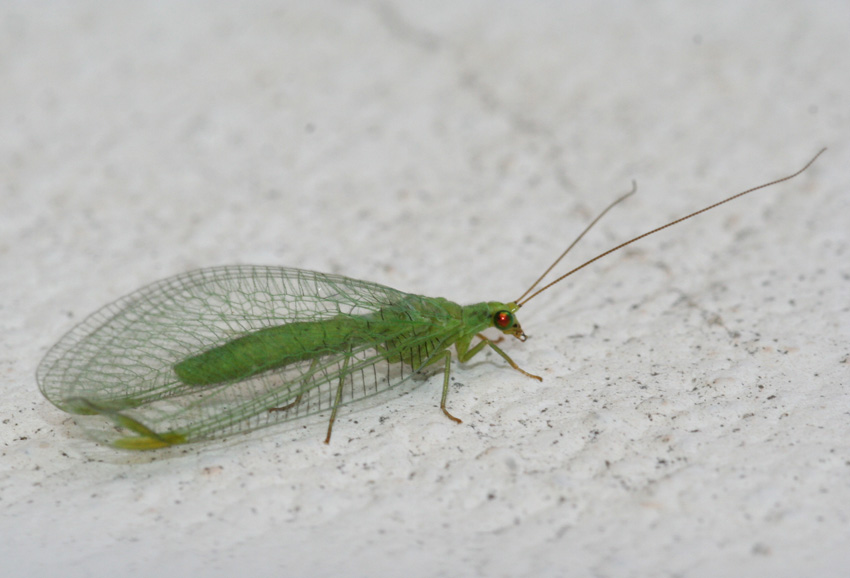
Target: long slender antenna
(577,239)
(520,302)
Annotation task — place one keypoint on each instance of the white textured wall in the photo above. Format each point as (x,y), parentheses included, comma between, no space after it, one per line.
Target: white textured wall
(694,415)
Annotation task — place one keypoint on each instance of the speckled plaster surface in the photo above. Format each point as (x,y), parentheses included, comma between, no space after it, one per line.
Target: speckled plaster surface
(694,415)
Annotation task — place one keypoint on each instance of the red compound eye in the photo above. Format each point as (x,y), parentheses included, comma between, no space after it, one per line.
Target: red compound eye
(503,319)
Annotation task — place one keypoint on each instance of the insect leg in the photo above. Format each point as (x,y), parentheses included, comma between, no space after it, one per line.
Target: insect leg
(337,399)
(464,356)
(289,405)
(448,357)
(292,404)
(497,340)
(147,438)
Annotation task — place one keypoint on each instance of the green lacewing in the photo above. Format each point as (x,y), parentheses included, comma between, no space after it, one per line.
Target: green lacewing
(219,351)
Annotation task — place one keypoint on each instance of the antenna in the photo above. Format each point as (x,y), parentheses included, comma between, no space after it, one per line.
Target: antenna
(583,233)
(523,299)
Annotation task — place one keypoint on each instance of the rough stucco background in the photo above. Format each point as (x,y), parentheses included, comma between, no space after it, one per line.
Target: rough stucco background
(694,414)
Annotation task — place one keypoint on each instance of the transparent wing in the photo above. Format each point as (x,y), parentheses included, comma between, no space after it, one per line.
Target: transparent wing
(116,367)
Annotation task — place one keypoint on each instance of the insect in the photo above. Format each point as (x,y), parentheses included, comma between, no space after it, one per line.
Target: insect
(225,350)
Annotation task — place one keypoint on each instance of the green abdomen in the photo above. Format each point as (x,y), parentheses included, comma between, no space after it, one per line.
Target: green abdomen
(270,348)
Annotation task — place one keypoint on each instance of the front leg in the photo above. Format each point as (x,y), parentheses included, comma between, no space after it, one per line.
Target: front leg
(464,354)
